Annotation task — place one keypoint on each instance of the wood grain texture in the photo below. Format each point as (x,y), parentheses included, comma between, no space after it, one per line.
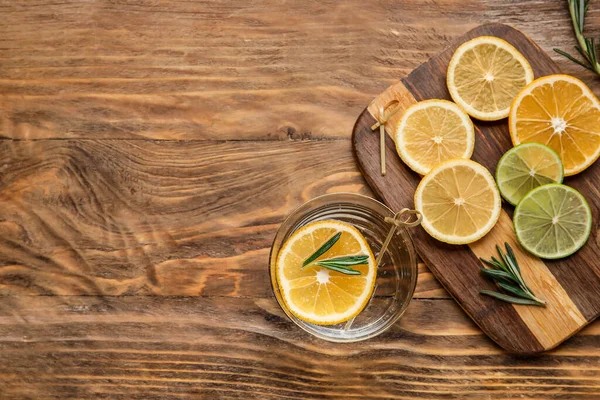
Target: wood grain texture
(202,69)
(169,218)
(100,218)
(266,88)
(137,347)
(572,296)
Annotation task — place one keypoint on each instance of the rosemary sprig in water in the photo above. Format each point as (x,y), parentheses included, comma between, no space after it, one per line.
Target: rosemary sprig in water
(587,46)
(507,275)
(339,264)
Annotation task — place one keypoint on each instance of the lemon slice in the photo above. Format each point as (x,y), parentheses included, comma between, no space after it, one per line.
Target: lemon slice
(553,221)
(319,295)
(484,76)
(459,201)
(433,131)
(561,112)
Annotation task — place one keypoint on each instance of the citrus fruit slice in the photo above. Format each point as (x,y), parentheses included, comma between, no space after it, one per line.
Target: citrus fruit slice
(525,167)
(484,76)
(553,221)
(320,295)
(433,131)
(459,201)
(561,112)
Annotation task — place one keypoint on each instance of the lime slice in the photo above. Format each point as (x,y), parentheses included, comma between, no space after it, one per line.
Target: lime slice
(526,167)
(553,221)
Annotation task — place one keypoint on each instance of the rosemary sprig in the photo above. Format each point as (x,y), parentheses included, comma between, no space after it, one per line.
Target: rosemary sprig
(587,46)
(507,275)
(340,264)
(323,249)
(510,299)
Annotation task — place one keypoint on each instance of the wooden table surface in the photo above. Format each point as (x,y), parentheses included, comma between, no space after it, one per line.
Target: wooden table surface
(149,152)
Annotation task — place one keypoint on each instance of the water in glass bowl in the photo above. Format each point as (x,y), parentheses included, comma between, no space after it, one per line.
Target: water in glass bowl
(396,275)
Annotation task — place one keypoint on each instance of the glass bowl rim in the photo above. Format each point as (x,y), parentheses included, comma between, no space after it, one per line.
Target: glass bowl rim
(411,253)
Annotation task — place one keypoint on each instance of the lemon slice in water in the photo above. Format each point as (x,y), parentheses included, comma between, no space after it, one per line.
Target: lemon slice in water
(320,295)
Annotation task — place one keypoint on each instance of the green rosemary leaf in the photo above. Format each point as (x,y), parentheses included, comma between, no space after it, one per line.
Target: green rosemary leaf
(506,261)
(587,3)
(329,264)
(510,299)
(512,268)
(592,50)
(514,265)
(587,46)
(520,293)
(323,249)
(326,263)
(514,290)
(492,264)
(500,264)
(570,57)
(342,264)
(488,262)
(347,260)
(507,275)
(343,270)
(581,15)
(511,257)
(498,275)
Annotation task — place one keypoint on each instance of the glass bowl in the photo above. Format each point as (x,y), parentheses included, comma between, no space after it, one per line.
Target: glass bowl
(396,275)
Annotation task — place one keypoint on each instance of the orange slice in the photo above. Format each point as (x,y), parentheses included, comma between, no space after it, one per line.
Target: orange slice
(561,112)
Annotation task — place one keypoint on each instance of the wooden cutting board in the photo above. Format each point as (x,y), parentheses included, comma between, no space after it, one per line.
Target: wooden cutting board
(570,286)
